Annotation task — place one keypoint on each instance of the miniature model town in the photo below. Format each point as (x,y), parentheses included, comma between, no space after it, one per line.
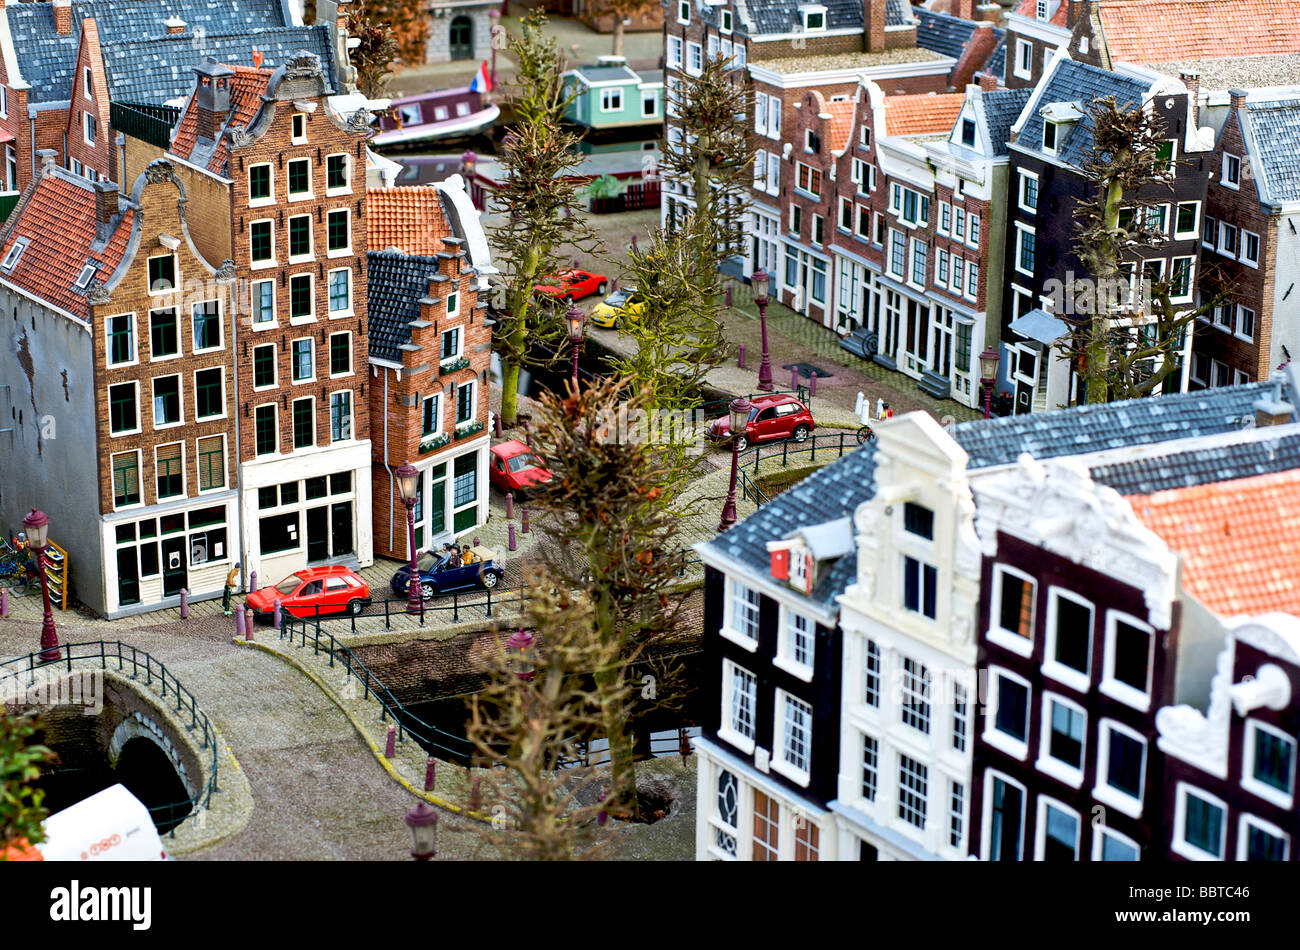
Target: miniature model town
(653,430)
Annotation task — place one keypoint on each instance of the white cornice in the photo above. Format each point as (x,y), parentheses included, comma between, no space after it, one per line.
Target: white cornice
(1033,28)
(826,77)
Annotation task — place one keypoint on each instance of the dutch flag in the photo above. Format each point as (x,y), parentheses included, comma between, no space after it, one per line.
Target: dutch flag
(482,82)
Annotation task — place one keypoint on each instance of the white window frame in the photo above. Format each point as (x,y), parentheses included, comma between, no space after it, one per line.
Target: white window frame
(1103,791)
(180,401)
(139,413)
(1040,831)
(311,239)
(606,97)
(252,305)
(336,314)
(135,342)
(760,113)
(89,127)
(1267,792)
(311,282)
(1022,66)
(221,328)
(786,657)
(184,492)
(724,21)
(729,630)
(684,11)
(986,819)
(1008,638)
(311,185)
(345,189)
(293,360)
(773,173)
(220,415)
(1254,321)
(343,251)
(1195,231)
(1244,824)
(774,117)
(1069,774)
(1021,231)
(1229,160)
(151,291)
(352,415)
(812,10)
(674,54)
(1102,832)
(1017,748)
(329,355)
(299,121)
(694,51)
(1243,238)
(780,763)
(275,367)
(1114,688)
(269,199)
(139,480)
(1179,844)
(270,261)
(1052,667)
(4,101)
(726,728)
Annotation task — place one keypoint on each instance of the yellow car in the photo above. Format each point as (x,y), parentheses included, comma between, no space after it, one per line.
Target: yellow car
(618,307)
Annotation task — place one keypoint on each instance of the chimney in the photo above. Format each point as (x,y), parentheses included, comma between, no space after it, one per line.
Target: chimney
(988,82)
(62,17)
(989,13)
(1192,80)
(1237,97)
(964,9)
(105,201)
(47,157)
(874,22)
(1075,11)
(212,97)
(1273,410)
(175,25)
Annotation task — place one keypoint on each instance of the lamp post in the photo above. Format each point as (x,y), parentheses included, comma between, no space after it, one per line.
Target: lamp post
(739,418)
(576,320)
(520,642)
(423,822)
(37,526)
(494,17)
(468,160)
(988,377)
(759,281)
(408,478)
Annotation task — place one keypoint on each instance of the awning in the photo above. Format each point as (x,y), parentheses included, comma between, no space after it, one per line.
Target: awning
(1041,326)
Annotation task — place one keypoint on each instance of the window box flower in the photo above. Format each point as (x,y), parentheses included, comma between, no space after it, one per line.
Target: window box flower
(469,428)
(434,442)
(452,365)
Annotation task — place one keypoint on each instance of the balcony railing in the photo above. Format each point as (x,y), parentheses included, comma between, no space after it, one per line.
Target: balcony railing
(152,124)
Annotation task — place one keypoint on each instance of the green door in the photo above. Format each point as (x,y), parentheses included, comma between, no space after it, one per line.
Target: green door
(462,38)
(128,577)
(437,514)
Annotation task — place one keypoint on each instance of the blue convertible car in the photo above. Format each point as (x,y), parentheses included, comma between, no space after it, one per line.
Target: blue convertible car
(437,578)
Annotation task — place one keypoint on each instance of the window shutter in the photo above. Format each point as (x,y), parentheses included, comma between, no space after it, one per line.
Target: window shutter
(781,565)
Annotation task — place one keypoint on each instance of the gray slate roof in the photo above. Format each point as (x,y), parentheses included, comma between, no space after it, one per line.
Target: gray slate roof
(837,490)
(606,73)
(47,59)
(395,284)
(997,64)
(941,33)
(1272,129)
(1199,467)
(1000,109)
(783,16)
(1081,83)
(153,71)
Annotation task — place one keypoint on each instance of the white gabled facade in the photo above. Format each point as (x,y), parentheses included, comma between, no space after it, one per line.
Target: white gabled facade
(909,651)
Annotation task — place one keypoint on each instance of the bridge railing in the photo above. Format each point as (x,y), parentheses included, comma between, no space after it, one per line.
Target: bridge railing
(138,663)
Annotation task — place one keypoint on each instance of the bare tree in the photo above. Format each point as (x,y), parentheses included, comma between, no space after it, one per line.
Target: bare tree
(622,11)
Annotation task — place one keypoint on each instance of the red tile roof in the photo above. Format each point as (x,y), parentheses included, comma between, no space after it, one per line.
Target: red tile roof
(1166,31)
(841,123)
(408,217)
(246,90)
(922,114)
(1029,8)
(59,222)
(1240,540)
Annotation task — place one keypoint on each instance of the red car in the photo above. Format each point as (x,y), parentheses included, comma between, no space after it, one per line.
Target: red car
(773,417)
(573,285)
(328,590)
(516,469)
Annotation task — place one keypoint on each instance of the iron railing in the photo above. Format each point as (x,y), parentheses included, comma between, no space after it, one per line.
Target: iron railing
(391,607)
(841,442)
(140,662)
(152,124)
(436,741)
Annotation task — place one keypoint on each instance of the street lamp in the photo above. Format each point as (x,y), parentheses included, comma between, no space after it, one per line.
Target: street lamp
(494,15)
(988,377)
(423,822)
(467,162)
(520,642)
(739,418)
(408,477)
(37,526)
(760,281)
(576,320)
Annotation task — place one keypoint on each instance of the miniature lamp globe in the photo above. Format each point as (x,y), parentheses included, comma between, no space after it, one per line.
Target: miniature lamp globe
(576,320)
(760,282)
(520,642)
(989,365)
(407,476)
(423,822)
(739,414)
(469,160)
(37,526)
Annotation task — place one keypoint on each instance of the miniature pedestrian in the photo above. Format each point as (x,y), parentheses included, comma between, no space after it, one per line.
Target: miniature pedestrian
(888,413)
(232,582)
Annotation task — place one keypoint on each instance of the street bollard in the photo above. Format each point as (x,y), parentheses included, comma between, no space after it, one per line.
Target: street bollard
(575,263)
(857,404)
(278,625)
(634,248)
(613,285)
(474,793)
(496,424)
(728,295)
(239,620)
(528,435)
(185,604)
(812,383)
(252,582)
(248,626)
(510,506)
(523,528)
(4,601)
(510,535)
(476,540)
(428,774)
(794,378)
(740,356)
(390,747)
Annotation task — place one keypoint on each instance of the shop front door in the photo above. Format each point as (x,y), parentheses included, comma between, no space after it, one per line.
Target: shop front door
(318,538)
(341,528)
(175,566)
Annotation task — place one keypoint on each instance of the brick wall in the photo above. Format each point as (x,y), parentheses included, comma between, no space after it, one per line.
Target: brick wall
(93,100)
(160,214)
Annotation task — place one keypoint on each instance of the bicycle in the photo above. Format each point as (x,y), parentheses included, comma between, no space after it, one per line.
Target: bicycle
(866,435)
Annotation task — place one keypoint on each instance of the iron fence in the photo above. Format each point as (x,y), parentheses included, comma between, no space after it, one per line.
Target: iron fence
(152,124)
(107,651)
(839,443)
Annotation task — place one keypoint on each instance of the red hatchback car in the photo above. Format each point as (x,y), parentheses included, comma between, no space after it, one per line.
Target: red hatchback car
(773,417)
(516,469)
(330,589)
(573,285)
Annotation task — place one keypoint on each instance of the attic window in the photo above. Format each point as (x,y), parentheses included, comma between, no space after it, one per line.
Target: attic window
(814,18)
(725,20)
(15,252)
(918,520)
(87,274)
(1043,10)
(1049,136)
(812,141)
(968,133)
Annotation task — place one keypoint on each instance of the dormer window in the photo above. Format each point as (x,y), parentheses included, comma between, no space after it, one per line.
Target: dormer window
(1043,10)
(15,252)
(1049,136)
(84,278)
(814,18)
(968,133)
(724,18)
